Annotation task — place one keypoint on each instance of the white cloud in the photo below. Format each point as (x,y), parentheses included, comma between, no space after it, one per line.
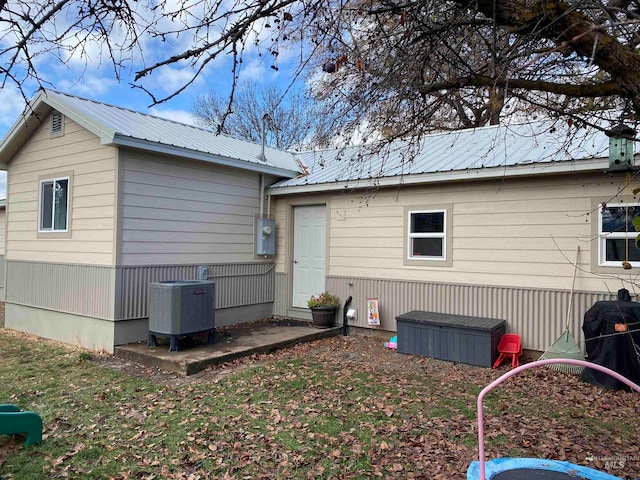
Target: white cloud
(11,106)
(181,116)
(88,54)
(3,185)
(169,79)
(256,70)
(89,84)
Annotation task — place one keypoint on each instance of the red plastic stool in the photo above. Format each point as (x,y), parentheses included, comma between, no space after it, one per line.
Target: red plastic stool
(509,346)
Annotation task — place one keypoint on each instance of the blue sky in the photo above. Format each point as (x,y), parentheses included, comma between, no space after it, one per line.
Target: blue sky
(97,81)
(89,74)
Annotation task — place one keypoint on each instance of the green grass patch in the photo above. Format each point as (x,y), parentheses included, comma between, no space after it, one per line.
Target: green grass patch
(290,418)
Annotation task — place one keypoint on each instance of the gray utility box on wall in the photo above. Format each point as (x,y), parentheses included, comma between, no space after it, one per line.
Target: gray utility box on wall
(455,338)
(265,236)
(180,308)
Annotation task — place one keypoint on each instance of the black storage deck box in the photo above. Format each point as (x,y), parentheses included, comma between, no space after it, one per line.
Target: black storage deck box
(455,338)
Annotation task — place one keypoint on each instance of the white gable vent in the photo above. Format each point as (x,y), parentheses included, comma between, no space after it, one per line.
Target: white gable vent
(57,123)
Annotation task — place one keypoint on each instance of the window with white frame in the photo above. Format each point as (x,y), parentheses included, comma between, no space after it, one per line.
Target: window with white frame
(427,235)
(54,205)
(617,234)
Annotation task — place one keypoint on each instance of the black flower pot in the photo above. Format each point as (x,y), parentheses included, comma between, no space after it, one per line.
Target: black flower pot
(323,317)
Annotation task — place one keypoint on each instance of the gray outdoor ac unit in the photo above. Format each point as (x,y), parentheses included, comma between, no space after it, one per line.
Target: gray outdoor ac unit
(181,308)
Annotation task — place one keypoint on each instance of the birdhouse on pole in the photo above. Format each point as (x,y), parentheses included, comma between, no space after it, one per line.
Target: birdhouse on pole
(621,138)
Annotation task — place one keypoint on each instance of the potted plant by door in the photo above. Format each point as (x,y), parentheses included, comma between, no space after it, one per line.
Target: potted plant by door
(323,309)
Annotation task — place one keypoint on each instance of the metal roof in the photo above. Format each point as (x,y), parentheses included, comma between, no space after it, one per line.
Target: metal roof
(533,148)
(120,126)
(488,152)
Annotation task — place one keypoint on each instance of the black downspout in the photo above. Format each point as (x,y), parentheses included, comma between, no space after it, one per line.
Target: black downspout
(344,315)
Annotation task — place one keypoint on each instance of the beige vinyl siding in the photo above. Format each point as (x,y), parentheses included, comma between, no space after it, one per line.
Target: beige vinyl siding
(3,218)
(511,232)
(92,167)
(3,231)
(503,233)
(180,212)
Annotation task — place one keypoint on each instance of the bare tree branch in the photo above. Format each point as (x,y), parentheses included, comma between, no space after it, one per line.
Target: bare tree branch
(292,121)
(384,68)
(606,89)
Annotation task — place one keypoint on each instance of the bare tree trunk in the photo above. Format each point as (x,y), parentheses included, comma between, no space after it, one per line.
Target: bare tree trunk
(494,105)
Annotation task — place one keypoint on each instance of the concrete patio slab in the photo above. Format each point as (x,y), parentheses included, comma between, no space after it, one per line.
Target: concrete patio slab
(237,341)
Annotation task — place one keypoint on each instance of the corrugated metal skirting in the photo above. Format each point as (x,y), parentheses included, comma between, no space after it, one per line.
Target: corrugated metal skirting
(2,273)
(122,293)
(539,316)
(237,285)
(77,289)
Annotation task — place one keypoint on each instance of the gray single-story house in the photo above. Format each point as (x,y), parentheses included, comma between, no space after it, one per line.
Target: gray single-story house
(102,200)
(481,222)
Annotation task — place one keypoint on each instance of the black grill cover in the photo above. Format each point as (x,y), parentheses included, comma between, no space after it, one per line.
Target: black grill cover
(610,347)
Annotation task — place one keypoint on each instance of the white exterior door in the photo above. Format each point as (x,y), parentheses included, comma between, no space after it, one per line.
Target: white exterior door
(309,226)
